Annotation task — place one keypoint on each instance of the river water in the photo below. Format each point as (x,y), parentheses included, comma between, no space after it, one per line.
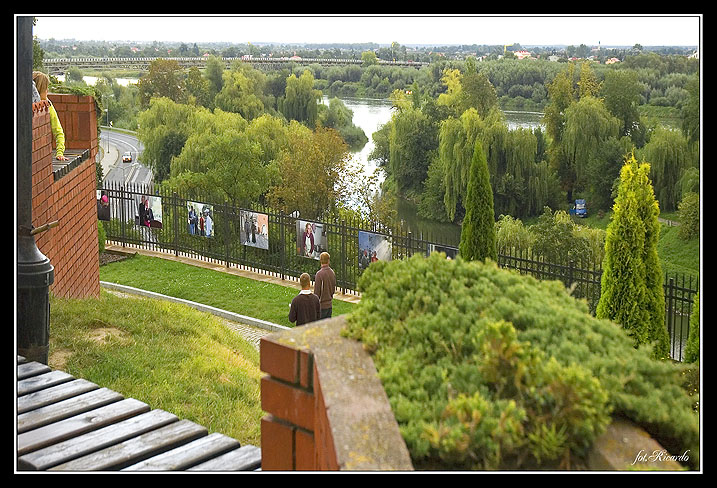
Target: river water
(370,115)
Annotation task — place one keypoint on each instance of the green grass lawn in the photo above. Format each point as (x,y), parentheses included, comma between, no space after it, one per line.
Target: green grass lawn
(168,355)
(266,301)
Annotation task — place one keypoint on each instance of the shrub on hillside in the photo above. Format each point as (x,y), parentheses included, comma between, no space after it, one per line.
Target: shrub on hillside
(489,369)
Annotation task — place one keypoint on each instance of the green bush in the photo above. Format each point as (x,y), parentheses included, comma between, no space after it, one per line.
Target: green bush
(489,369)
(689,211)
(692,349)
(101,236)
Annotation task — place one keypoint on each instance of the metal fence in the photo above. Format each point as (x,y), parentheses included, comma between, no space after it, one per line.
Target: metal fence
(262,240)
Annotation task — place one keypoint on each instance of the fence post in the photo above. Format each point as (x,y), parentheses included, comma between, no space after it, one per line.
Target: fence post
(282,249)
(409,251)
(175,211)
(123,206)
(669,295)
(226,233)
(343,256)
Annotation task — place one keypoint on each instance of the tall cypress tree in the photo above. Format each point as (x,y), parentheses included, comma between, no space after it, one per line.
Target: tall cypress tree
(631,288)
(478,228)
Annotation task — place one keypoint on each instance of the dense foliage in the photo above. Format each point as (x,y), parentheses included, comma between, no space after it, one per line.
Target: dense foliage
(692,349)
(489,369)
(478,228)
(632,293)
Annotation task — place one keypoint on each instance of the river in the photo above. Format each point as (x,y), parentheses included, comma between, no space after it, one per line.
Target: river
(370,115)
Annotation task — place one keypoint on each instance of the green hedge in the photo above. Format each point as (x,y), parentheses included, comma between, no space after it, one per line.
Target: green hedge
(489,369)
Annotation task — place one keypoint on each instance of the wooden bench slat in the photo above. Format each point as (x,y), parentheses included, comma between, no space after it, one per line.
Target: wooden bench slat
(246,458)
(187,455)
(53,394)
(80,424)
(136,449)
(96,440)
(26,370)
(42,381)
(66,409)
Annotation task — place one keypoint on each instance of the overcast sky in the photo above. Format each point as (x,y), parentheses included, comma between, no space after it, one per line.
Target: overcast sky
(606,30)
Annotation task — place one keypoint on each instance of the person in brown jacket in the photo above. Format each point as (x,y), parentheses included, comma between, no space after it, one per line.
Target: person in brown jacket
(325,285)
(304,307)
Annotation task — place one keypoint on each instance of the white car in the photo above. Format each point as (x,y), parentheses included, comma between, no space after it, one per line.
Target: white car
(127,157)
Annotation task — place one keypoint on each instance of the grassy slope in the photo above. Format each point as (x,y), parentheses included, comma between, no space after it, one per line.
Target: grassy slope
(167,355)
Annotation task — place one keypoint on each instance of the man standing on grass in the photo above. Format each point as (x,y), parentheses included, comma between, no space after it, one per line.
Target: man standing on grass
(305,306)
(325,285)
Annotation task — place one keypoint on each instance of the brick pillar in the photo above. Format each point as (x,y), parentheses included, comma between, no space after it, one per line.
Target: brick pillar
(325,406)
(72,246)
(289,400)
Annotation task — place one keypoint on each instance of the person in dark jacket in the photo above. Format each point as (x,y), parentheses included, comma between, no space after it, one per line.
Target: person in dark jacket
(325,285)
(305,306)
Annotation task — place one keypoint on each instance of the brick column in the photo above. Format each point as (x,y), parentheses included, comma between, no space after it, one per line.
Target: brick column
(326,408)
(72,246)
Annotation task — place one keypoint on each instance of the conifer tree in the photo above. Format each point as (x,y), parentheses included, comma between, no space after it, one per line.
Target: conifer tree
(478,228)
(631,289)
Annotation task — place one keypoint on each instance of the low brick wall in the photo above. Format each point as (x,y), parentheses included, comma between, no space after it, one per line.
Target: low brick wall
(326,408)
(71,200)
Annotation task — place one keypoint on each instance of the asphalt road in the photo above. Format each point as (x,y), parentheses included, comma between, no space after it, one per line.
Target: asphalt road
(115,144)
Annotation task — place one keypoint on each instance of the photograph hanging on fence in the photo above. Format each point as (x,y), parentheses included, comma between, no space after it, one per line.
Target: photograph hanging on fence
(373,247)
(103,205)
(450,252)
(254,229)
(149,211)
(311,239)
(200,219)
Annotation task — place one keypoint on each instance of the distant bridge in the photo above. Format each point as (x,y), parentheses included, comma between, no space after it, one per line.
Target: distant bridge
(60,66)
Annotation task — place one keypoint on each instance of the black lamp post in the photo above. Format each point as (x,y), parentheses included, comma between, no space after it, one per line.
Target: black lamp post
(35,274)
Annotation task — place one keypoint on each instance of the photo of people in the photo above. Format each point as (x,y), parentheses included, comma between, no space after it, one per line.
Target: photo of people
(450,252)
(103,205)
(254,229)
(372,248)
(149,212)
(200,219)
(310,239)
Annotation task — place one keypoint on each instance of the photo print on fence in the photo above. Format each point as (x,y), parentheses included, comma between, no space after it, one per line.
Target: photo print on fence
(149,212)
(200,219)
(103,205)
(311,239)
(254,229)
(450,252)
(372,248)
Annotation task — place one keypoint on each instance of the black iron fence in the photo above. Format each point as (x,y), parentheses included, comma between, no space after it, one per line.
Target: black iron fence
(262,240)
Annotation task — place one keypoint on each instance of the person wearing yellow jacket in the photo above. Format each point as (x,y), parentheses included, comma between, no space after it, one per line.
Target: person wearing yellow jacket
(42,82)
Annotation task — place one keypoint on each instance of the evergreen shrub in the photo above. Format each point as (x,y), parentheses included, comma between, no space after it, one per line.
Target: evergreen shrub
(489,369)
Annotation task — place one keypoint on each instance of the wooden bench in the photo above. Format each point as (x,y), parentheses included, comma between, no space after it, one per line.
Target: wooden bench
(70,424)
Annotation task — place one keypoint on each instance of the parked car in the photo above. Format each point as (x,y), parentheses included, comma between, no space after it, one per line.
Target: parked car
(127,157)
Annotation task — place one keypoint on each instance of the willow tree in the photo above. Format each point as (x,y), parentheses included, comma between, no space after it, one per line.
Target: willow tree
(478,241)
(457,138)
(669,156)
(631,284)
(222,162)
(587,124)
(242,91)
(301,101)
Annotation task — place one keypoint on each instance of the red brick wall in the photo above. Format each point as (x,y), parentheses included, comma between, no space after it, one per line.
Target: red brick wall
(326,409)
(71,247)
(288,397)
